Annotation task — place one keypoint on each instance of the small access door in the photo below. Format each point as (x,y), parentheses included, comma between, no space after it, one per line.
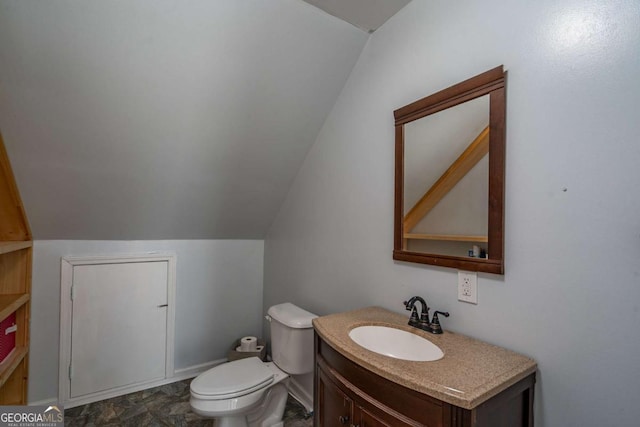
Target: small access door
(119,326)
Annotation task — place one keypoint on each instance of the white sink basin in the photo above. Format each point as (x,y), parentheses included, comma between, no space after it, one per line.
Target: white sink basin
(396,343)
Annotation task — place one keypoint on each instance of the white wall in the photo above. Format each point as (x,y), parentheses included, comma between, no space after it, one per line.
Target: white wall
(218,299)
(570,295)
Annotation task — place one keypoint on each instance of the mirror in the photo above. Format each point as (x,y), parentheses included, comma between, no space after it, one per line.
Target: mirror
(449,201)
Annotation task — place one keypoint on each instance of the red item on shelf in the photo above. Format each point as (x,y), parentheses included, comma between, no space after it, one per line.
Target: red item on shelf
(7,336)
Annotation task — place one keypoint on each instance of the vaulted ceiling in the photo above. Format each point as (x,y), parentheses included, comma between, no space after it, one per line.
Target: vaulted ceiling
(365,14)
(161,119)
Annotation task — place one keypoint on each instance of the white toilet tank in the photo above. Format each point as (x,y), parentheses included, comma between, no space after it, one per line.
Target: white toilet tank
(291,338)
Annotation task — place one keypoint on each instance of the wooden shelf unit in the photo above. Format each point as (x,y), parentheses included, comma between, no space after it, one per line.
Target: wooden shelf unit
(447,237)
(12,302)
(6,247)
(15,283)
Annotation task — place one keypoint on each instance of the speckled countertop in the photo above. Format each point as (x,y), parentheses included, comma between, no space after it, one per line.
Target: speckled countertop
(470,372)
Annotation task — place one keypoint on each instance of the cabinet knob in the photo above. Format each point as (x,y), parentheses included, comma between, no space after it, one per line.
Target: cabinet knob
(344,419)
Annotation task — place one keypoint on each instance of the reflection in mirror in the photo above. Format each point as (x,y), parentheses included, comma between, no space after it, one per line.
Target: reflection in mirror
(449,179)
(446,180)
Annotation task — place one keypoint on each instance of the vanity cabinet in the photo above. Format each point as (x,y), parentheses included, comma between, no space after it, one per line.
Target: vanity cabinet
(15,285)
(348,394)
(339,409)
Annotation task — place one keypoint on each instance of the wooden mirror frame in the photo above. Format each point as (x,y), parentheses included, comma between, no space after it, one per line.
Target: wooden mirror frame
(491,82)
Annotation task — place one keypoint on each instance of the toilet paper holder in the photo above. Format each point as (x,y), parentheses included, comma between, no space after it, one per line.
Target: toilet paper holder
(235,353)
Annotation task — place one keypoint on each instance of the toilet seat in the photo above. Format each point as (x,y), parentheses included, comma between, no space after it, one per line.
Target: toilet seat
(235,388)
(234,379)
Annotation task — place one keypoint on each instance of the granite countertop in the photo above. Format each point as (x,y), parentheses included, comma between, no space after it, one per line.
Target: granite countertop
(470,373)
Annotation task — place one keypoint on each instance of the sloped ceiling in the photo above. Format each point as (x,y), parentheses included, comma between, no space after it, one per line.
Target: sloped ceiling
(161,119)
(365,14)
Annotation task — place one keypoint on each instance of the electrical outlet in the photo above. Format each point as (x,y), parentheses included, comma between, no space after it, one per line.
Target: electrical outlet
(468,287)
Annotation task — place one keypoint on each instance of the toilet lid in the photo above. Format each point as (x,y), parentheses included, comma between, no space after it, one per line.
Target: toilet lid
(233,379)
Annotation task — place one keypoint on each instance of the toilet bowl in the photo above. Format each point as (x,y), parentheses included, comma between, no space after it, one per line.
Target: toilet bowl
(252,393)
(233,391)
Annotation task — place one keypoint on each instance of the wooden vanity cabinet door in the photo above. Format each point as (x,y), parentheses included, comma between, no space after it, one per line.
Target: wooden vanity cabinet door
(340,404)
(336,407)
(379,401)
(369,420)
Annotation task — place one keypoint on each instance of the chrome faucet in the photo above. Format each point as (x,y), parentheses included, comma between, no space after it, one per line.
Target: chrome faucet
(423,322)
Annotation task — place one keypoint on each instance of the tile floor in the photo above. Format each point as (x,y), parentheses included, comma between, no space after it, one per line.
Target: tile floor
(167,405)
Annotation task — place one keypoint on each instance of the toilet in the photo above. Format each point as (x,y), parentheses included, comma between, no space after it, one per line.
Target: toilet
(252,393)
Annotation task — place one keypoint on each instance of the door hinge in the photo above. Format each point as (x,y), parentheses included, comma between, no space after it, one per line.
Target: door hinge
(71,291)
(70,371)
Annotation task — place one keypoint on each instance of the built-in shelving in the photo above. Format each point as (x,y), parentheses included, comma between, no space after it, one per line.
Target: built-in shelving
(447,237)
(12,302)
(15,284)
(7,247)
(9,365)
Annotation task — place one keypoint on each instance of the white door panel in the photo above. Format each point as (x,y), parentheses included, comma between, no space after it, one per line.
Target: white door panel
(119,325)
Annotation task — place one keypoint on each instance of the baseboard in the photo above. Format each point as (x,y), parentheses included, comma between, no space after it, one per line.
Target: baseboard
(45,402)
(195,370)
(178,375)
(299,393)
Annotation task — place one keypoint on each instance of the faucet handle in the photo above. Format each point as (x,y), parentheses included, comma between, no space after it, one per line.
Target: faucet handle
(436,328)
